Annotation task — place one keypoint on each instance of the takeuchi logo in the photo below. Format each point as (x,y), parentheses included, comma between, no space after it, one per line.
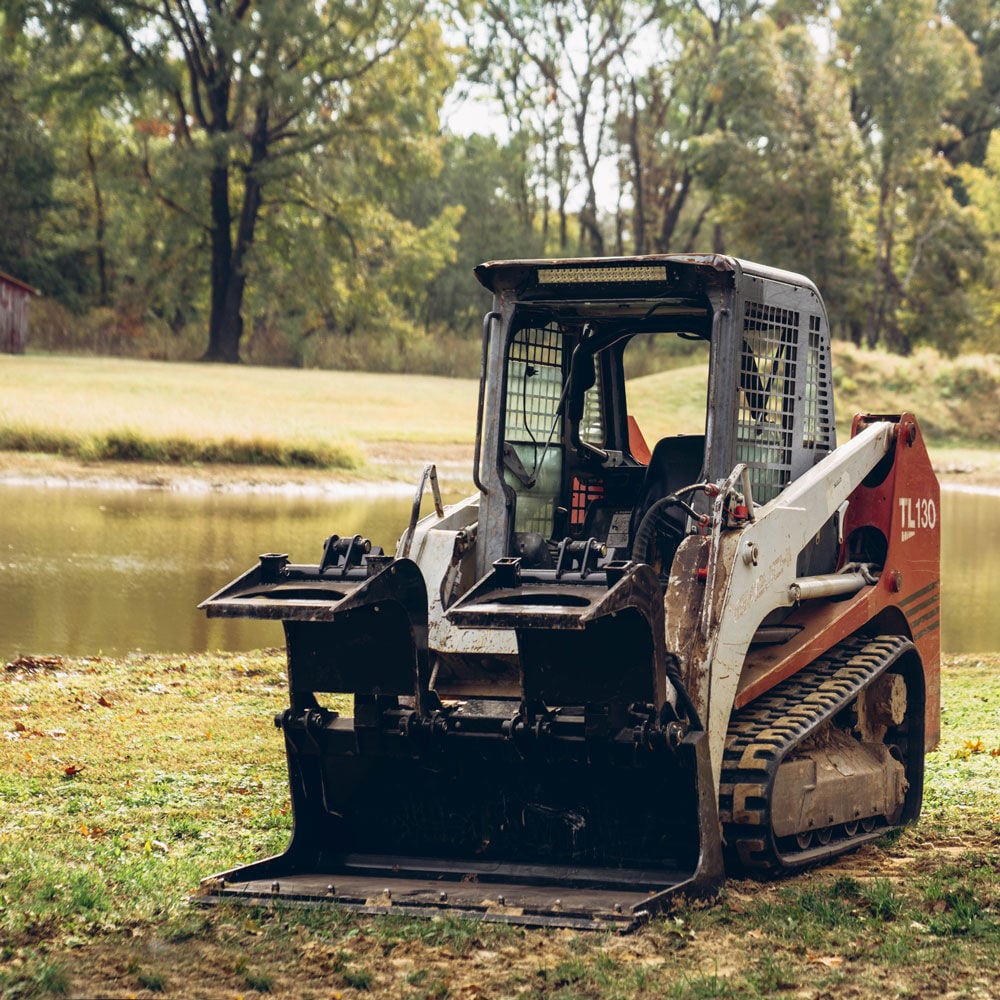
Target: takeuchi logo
(916,514)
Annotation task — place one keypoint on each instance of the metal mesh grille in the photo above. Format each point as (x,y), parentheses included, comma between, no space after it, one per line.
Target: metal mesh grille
(817,418)
(534,383)
(534,387)
(767,397)
(584,493)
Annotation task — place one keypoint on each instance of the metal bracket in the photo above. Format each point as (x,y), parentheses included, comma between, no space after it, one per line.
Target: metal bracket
(430,472)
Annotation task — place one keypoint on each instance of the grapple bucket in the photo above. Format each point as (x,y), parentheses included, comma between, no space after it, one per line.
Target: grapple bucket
(585,803)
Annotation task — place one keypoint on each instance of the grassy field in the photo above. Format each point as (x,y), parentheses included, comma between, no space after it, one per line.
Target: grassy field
(114,409)
(125,781)
(110,408)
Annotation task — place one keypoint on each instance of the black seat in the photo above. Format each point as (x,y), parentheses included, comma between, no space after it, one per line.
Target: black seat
(676,462)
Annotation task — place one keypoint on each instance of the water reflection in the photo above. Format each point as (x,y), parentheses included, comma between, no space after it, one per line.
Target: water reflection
(85,571)
(970,571)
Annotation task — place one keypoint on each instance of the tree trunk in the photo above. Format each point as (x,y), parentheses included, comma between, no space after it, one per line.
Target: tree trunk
(638,180)
(100,227)
(230,279)
(677,196)
(224,330)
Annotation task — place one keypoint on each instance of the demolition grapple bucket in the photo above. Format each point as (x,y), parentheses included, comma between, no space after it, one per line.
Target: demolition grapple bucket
(586,801)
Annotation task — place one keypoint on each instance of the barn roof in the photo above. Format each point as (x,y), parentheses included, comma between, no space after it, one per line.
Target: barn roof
(18,283)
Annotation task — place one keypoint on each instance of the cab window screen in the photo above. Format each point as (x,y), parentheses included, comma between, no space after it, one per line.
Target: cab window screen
(534,388)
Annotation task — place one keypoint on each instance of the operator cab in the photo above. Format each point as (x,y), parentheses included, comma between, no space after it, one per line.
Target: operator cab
(574,455)
(578,441)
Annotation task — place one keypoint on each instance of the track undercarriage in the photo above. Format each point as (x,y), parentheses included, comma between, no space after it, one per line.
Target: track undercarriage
(828,760)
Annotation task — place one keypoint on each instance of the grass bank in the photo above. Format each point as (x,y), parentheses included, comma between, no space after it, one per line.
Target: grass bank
(126,780)
(119,409)
(113,409)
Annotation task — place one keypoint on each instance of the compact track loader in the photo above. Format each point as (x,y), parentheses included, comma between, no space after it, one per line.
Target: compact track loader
(615,670)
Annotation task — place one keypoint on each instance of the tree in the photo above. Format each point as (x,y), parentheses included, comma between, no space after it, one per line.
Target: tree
(983,187)
(27,170)
(977,114)
(246,94)
(484,178)
(907,67)
(675,136)
(784,174)
(559,69)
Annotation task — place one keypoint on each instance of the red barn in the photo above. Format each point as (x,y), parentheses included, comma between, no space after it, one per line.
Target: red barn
(14,296)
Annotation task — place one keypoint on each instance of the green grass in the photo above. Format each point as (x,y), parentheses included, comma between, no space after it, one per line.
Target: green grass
(99,409)
(113,408)
(129,445)
(124,781)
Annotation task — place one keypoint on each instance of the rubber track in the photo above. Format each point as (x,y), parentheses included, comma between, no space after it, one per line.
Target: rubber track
(761,735)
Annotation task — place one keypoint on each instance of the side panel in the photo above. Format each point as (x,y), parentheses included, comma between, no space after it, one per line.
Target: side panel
(902,503)
(893,518)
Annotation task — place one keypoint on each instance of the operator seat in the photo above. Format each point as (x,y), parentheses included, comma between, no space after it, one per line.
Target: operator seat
(676,462)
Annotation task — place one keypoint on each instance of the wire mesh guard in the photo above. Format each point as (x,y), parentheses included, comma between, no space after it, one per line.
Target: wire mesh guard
(769,402)
(534,389)
(766,405)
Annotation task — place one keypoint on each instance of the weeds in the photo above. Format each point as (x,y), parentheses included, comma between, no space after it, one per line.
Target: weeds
(153,981)
(135,446)
(259,981)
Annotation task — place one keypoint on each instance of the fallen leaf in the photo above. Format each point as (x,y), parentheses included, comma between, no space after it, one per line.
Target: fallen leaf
(830,961)
(72,770)
(20,727)
(104,703)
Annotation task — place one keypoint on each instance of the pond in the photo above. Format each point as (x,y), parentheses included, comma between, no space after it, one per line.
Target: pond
(86,571)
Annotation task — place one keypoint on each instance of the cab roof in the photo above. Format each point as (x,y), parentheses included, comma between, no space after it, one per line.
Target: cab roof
(522,275)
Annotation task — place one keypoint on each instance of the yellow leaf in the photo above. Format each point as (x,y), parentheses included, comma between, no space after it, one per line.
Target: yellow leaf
(830,961)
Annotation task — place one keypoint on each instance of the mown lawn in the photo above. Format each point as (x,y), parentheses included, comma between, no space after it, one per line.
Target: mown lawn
(119,409)
(124,781)
(112,408)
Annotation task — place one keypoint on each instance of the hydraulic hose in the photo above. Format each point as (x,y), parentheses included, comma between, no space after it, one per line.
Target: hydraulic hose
(652,521)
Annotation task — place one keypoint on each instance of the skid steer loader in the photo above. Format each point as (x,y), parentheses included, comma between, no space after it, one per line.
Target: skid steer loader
(615,670)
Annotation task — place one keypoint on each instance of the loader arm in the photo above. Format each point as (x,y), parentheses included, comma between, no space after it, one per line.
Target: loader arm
(752,571)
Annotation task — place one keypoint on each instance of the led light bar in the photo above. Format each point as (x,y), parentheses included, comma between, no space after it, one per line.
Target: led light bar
(573,275)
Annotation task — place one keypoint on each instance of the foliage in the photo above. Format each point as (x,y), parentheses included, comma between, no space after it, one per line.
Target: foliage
(907,66)
(278,176)
(982,185)
(233,112)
